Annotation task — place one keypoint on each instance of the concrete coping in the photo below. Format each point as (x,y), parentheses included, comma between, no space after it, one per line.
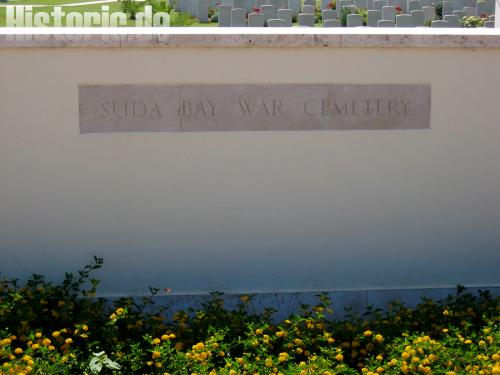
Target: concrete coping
(248,37)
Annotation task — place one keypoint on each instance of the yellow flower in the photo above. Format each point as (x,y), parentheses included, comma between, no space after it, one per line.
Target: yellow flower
(68,341)
(269,362)
(339,357)
(46,342)
(379,338)
(281,334)
(35,346)
(56,334)
(18,351)
(155,354)
(379,358)
(199,346)
(51,347)
(468,342)
(38,335)
(368,333)
(85,327)
(156,341)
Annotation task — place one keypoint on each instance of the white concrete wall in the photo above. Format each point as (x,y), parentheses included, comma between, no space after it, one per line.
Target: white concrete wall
(252,211)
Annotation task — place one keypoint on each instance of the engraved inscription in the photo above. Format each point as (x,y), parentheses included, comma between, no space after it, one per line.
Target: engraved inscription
(254,107)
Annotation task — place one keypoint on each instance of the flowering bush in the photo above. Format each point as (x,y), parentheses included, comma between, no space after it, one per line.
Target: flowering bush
(50,329)
(473,21)
(332,4)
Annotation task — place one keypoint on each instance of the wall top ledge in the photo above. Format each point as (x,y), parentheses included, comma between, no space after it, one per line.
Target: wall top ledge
(248,37)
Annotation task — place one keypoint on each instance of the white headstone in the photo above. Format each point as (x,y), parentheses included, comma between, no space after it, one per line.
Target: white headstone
(448,7)
(224,15)
(309,9)
(386,23)
(268,11)
(238,17)
(417,18)
(469,11)
(414,5)
(373,17)
(497,12)
(256,20)
(404,20)
(361,4)
(429,13)
(202,11)
(453,20)
(306,19)
(389,13)
(354,20)
(328,14)
(286,15)
(440,24)
(379,4)
(332,23)
(276,22)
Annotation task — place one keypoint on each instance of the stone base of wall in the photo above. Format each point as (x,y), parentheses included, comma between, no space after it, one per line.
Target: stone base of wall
(287,303)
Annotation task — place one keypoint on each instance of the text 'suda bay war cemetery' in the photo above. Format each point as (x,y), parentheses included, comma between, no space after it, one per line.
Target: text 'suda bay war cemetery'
(236,187)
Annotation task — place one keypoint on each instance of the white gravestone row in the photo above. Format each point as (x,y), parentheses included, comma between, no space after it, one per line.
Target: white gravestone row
(306,13)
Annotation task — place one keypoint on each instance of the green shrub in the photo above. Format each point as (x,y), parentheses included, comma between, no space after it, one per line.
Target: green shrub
(344,13)
(439,10)
(130,8)
(48,328)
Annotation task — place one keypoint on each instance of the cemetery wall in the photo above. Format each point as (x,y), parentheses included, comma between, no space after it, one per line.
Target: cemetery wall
(253,211)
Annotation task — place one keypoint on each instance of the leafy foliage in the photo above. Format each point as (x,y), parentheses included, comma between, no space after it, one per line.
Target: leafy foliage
(48,328)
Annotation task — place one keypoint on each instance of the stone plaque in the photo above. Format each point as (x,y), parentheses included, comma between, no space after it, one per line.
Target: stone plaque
(139,108)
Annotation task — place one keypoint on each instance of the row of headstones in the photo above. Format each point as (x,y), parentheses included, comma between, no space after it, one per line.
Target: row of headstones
(417,18)
(461,8)
(406,6)
(195,7)
(385,17)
